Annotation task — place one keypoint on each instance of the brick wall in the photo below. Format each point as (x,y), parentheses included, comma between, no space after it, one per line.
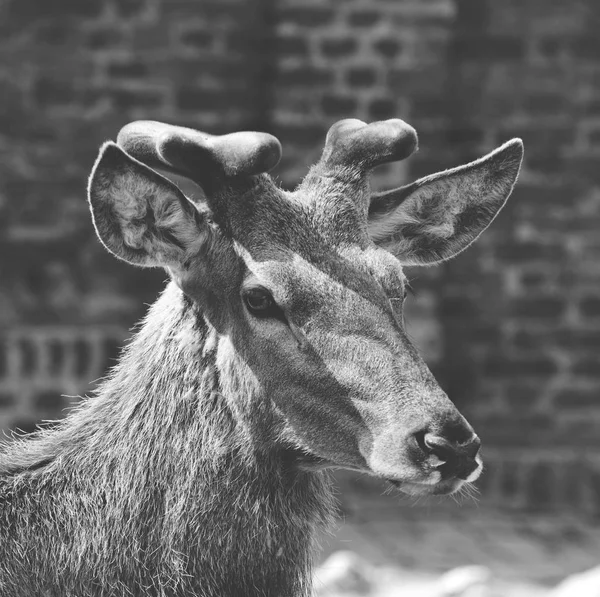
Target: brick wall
(511,327)
(72,73)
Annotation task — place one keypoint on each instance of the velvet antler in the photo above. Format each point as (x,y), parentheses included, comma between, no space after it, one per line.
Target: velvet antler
(354,146)
(199,156)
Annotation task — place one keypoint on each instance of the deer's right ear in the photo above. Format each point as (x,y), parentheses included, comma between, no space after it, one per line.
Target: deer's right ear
(436,217)
(139,215)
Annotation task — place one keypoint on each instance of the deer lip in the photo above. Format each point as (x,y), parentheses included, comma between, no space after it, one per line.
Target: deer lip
(445,487)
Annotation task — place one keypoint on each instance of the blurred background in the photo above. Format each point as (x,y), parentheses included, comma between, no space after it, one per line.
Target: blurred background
(511,327)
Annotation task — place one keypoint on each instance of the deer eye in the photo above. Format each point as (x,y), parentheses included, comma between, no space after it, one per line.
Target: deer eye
(260,303)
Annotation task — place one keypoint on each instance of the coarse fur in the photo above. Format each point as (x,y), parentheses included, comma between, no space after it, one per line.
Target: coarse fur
(155,488)
(199,466)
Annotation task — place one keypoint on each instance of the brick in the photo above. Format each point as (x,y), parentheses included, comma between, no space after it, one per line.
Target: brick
(458,306)
(7,400)
(82,364)
(522,430)
(3,359)
(111,349)
(542,486)
(535,280)
(364,17)
(388,47)
(590,106)
(485,48)
(382,109)
(590,306)
(584,169)
(553,48)
(539,308)
(199,98)
(593,485)
(292,46)
(28,358)
(217,11)
(129,8)
(242,44)
(574,339)
(593,137)
(49,91)
(57,355)
(58,9)
(523,396)
(55,33)
(578,398)
(127,99)
(548,103)
(587,47)
(132,69)
(336,105)
(48,401)
(520,252)
(338,47)
(306,16)
(509,484)
(307,135)
(574,482)
(361,77)
(472,15)
(465,134)
(430,107)
(420,83)
(587,366)
(305,76)
(546,161)
(199,39)
(527,340)
(149,38)
(511,366)
(102,39)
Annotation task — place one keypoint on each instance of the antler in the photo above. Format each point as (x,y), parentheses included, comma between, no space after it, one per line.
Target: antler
(197,155)
(354,145)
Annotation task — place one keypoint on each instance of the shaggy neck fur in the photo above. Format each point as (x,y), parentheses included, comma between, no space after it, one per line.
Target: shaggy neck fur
(153,487)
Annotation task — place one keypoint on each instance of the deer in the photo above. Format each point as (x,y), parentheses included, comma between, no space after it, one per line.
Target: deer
(277,352)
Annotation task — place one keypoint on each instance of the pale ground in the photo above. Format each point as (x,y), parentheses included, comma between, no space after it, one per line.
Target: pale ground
(398,543)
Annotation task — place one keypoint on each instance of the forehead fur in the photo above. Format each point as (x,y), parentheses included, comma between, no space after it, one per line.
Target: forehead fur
(322,214)
(334,286)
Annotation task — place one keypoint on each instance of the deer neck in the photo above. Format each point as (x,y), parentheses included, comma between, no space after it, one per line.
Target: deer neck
(162,450)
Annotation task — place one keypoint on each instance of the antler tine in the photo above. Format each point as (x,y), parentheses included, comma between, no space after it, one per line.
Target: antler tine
(140,139)
(197,155)
(353,144)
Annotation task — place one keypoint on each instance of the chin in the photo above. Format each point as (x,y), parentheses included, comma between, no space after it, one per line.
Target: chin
(446,487)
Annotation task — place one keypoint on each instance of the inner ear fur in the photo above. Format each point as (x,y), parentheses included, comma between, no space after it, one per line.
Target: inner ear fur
(437,217)
(139,215)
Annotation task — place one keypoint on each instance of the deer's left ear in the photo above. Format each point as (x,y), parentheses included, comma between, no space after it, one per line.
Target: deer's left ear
(438,216)
(140,216)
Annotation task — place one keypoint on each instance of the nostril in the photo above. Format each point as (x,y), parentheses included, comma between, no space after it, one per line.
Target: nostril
(449,458)
(438,446)
(420,439)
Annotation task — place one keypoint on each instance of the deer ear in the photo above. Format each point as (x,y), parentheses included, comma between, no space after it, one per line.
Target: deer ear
(438,216)
(140,216)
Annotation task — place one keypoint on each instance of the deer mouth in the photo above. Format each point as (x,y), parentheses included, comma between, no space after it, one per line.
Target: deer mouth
(445,487)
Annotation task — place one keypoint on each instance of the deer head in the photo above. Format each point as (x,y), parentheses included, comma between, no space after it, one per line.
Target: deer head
(303,291)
